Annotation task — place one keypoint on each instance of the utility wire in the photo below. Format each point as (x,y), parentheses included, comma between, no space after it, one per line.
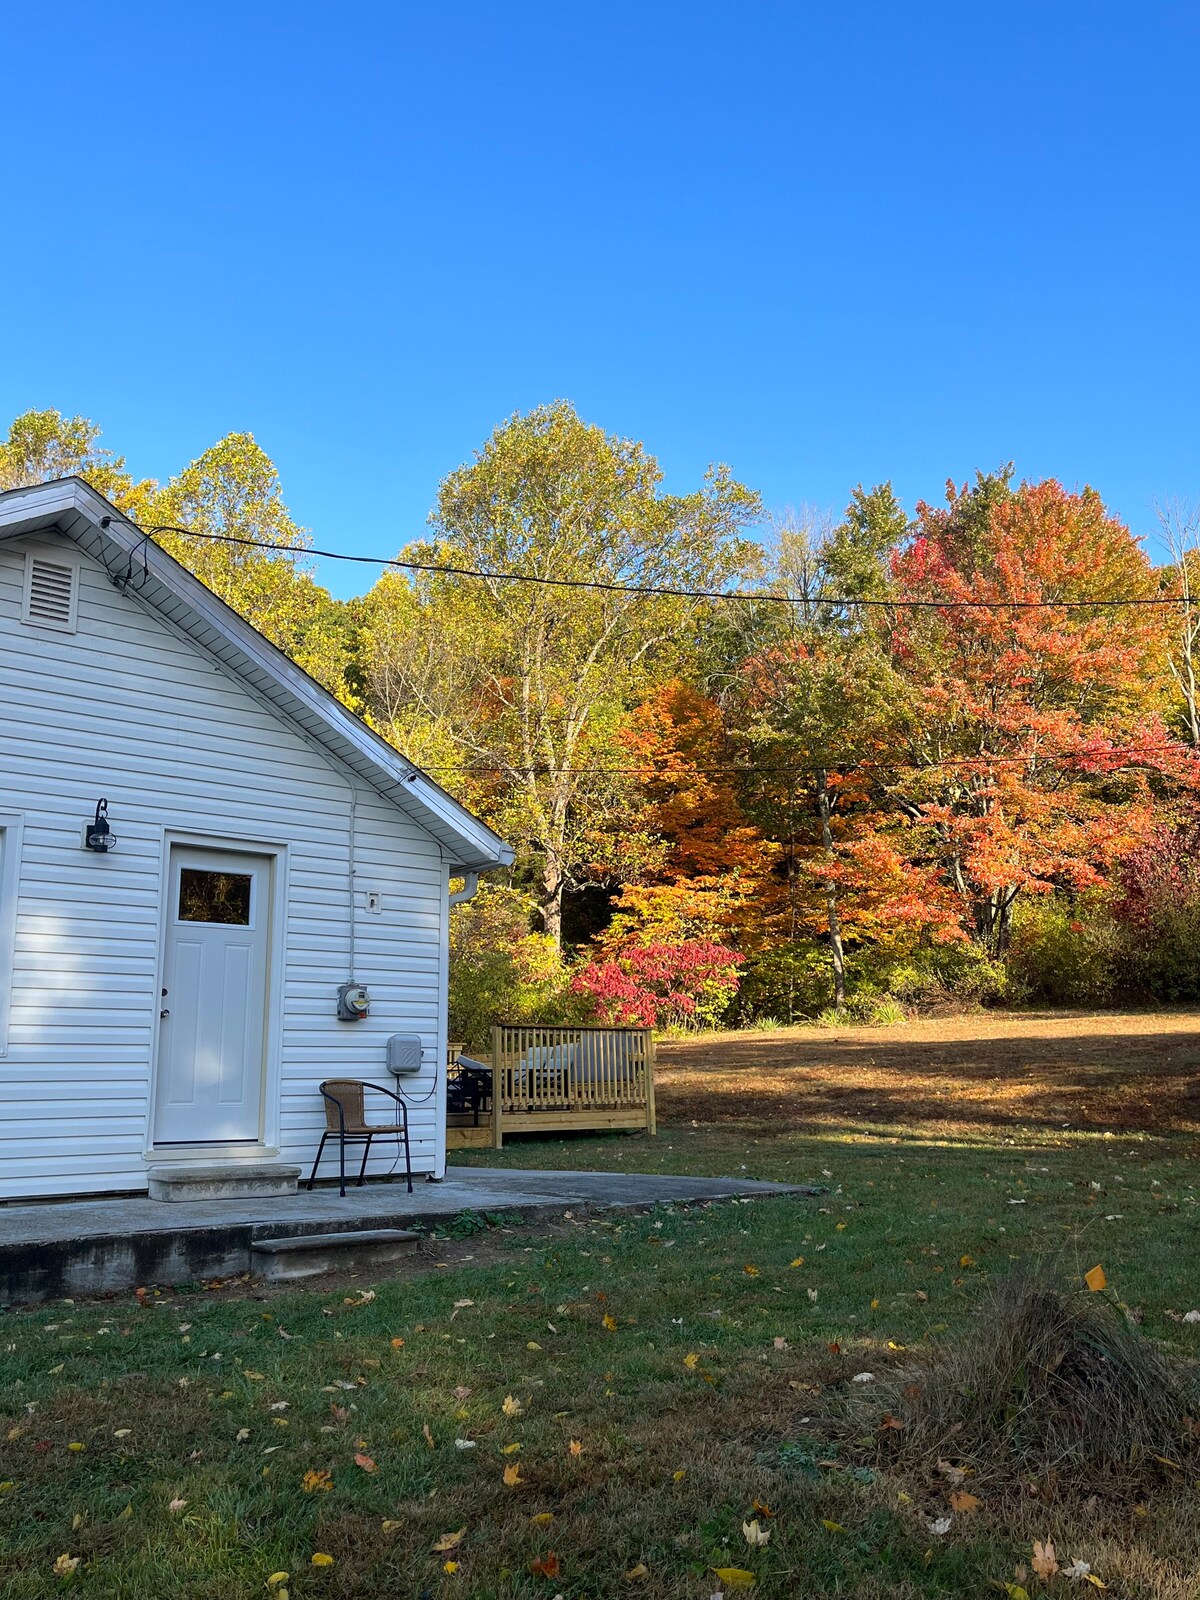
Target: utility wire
(662,591)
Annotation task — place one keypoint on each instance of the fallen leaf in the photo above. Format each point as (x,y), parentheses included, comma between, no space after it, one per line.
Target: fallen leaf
(511,1406)
(636,1574)
(780,1343)
(122,1433)
(460,1305)
(1095,1279)
(610,1322)
(449,1541)
(575,1448)
(77,1446)
(176,1505)
(392,1525)
(319,1558)
(863,1377)
(241,1435)
(799,1262)
(1044,1562)
(831,1526)
(755,1534)
(316,1480)
(955,1474)
(965,1503)
(275,1580)
(364,1462)
(542,1519)
(397,1344)
(427,1436)
(812,1295)
(735,1577)
(512,1476)
(966,1261)
(939,1526)
(680,1474)
(255,1377)
(751,1272)
(464,1444)
(64,1565)
(546,1566)
(450,1566)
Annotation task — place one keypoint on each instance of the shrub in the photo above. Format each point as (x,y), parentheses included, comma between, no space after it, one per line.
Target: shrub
(501,972)
(689,984)
(1070,952)
(1158,912)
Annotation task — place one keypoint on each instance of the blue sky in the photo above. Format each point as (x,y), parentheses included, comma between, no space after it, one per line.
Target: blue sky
(824,243)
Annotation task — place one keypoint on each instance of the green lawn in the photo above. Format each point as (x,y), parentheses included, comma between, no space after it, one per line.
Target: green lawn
(686,1353)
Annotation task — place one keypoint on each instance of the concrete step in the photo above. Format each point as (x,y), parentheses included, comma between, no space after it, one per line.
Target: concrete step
(230,1180)
(306,1255)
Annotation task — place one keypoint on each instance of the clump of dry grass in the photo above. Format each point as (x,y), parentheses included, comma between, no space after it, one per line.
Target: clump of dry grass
(1054,1384)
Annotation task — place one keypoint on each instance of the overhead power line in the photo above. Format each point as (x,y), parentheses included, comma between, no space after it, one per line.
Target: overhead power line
(1089,760)
(665,591)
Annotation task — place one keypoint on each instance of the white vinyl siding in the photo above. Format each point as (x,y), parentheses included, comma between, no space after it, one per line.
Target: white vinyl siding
(126,708)
(10,866)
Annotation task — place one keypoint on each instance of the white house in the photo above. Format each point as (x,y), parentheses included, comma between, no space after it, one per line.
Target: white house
(174,999)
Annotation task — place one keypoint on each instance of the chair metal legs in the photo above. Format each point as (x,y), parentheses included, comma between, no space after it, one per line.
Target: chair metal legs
(362,1171)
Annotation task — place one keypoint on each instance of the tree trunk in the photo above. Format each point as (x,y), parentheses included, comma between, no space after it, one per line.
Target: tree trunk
(836,953)
(550,905)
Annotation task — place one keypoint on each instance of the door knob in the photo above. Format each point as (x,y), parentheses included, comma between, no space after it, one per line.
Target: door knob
(165,1012)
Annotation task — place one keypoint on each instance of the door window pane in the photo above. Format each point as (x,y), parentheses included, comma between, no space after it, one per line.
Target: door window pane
(214,896)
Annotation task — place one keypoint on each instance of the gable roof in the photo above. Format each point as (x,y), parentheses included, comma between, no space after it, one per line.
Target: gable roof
(73,508)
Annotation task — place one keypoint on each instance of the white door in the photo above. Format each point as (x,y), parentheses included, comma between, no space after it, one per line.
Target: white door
(211,1040)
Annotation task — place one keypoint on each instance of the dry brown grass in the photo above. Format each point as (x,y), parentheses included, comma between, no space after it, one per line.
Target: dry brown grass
(972,1077)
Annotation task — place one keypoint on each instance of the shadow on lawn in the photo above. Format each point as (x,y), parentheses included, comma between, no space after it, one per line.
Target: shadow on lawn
(1006,1078)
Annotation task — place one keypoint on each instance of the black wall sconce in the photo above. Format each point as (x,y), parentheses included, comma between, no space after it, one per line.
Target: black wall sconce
(97,835)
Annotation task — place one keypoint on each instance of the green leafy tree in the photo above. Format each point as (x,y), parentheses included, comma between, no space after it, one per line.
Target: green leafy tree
(528,682)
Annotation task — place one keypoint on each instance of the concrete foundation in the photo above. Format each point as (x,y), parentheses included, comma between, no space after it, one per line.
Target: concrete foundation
(103,1245)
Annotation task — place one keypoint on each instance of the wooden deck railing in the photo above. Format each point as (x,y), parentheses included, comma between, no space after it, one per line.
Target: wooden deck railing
(554,1079)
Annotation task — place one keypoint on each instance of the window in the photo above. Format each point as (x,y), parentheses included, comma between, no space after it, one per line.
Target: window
(222,897)
(10,858)
(50,593)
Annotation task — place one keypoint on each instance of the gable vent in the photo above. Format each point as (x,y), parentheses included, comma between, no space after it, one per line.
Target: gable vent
(49,593)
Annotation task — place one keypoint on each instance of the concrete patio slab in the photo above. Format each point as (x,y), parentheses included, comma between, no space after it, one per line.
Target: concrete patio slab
(76,1247)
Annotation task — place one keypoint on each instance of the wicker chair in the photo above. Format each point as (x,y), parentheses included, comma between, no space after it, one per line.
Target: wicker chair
(346,1121)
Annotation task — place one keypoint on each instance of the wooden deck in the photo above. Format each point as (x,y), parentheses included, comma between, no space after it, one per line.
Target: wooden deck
(559,1080)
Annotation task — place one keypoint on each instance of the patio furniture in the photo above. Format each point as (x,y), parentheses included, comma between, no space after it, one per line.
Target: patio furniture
(346,1120)
(468,1087)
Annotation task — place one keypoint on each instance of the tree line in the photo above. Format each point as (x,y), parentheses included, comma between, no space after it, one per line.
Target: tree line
(753,767)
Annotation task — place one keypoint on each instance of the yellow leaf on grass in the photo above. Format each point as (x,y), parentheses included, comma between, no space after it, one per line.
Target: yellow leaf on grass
(542,1519)
(799,1262)
(449,1541)
(64,1565)
(832,1527)
(392,1525)
(511,1407)
(750,1271)
(510,1449)
(755,1534)
(450,1566)
(76,1446)
(8,1486)
(965,1503)
(1095,1279)
(397,1344)
(426,1435)
(610,1322)
(320,1559)
(735,1577)
(691,1361)
(274,1581)
(255,1377)
(316,1480)
(966,1261)
(1014,1591)
(680,1475)
(575,1447)
(365,1462)
(636,1574)
(512,1476)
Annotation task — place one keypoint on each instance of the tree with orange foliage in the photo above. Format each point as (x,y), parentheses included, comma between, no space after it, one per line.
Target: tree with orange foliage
(711,876)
